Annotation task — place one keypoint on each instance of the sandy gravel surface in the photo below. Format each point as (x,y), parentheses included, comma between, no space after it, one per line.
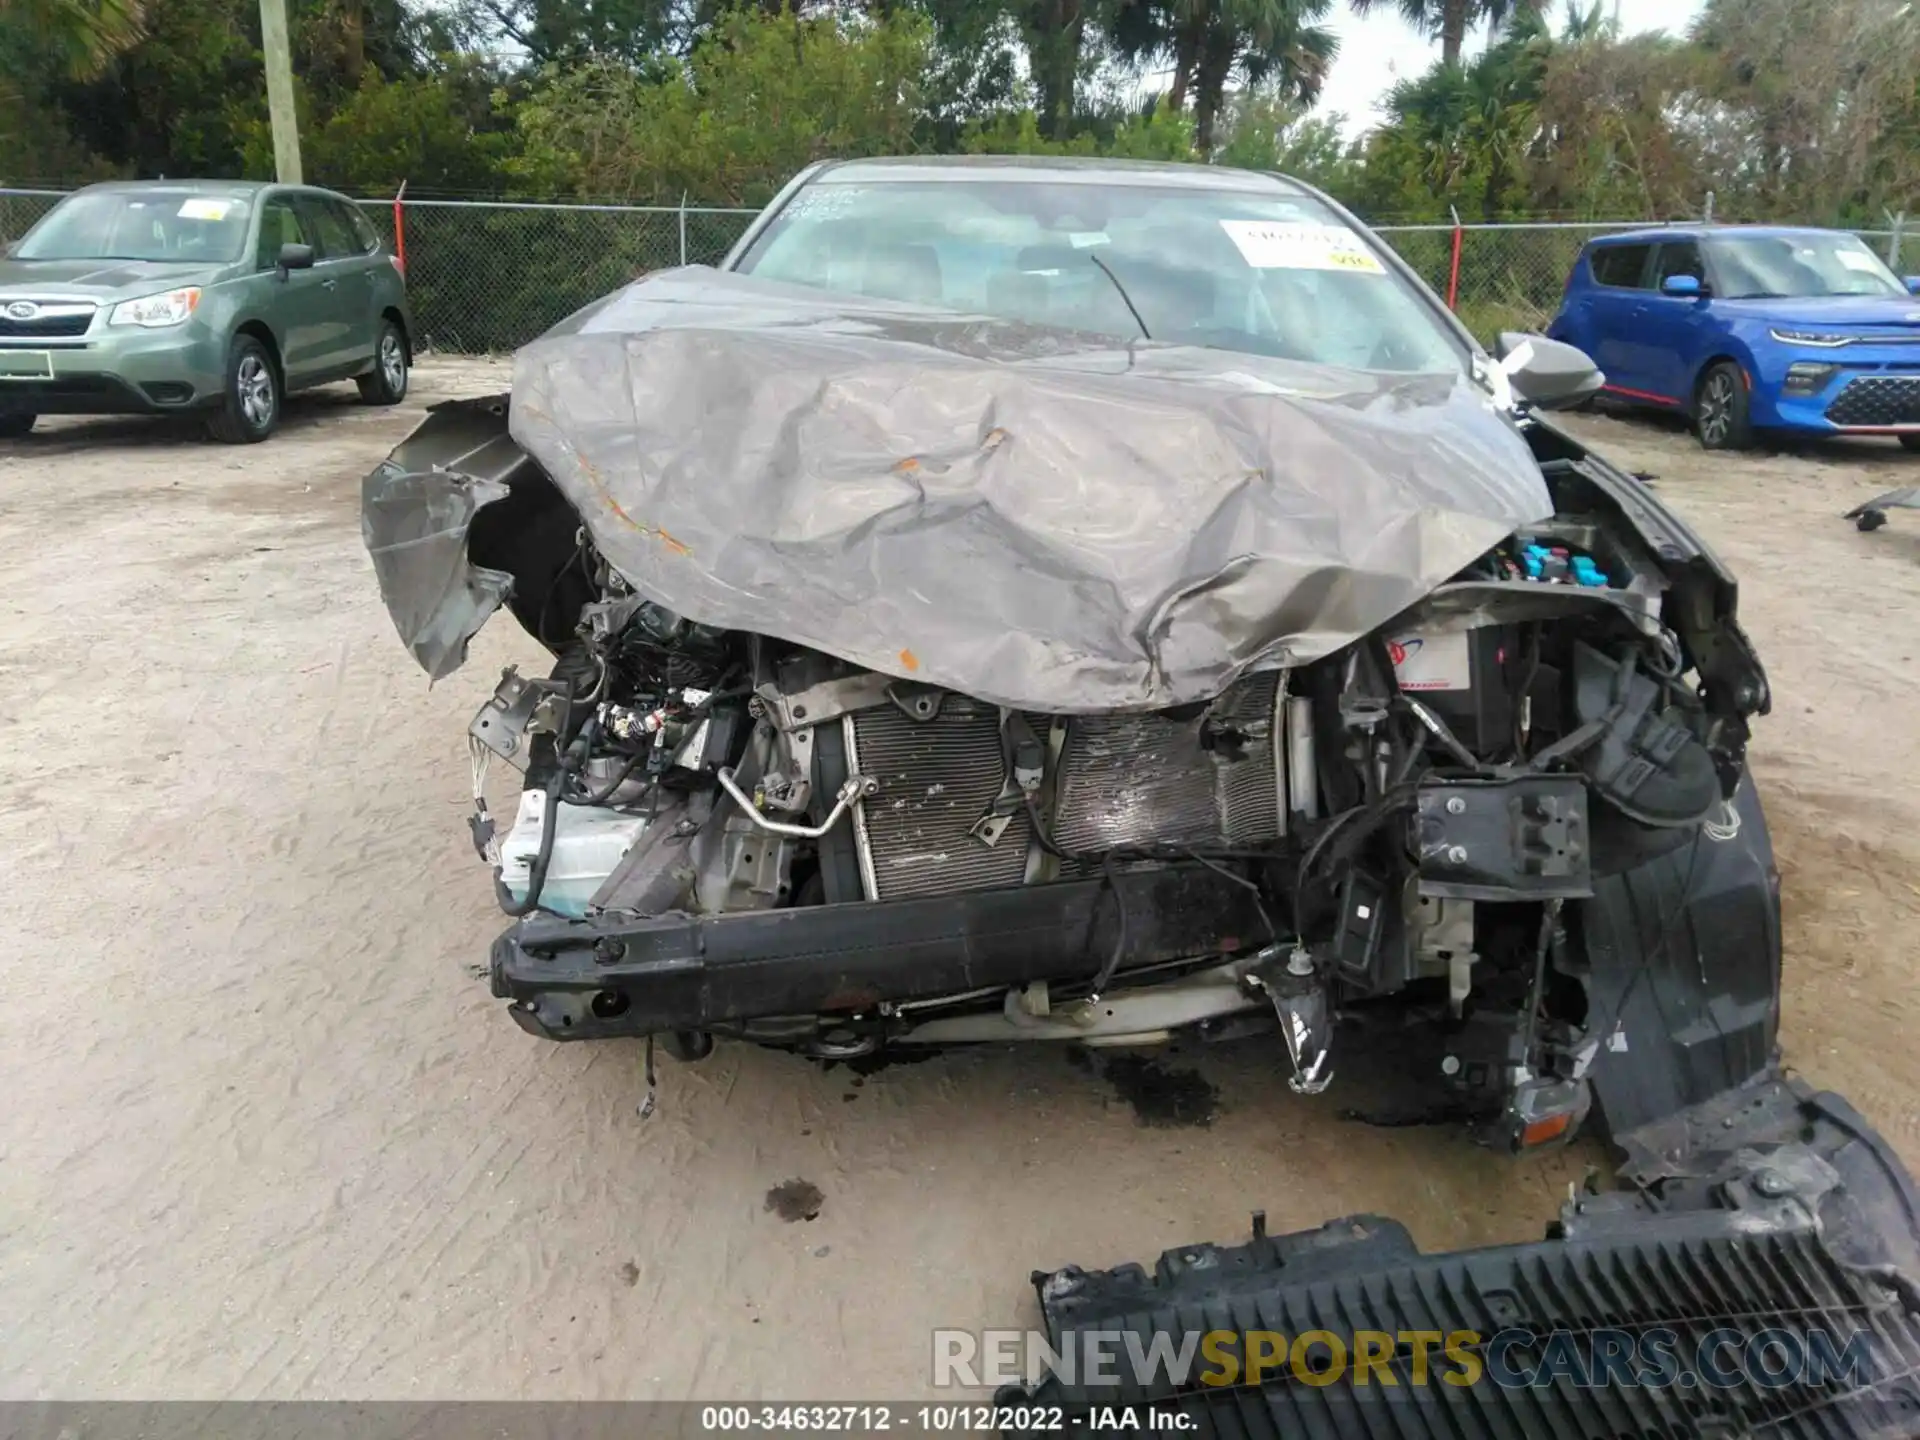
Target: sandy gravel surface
(265,1134)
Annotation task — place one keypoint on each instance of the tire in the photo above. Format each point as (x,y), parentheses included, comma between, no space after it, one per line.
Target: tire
(1721,409)
(1910,442)
(16,427)
(386,384)
(250,410)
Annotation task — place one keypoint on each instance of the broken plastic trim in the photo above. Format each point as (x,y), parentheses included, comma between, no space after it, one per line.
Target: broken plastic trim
(1767,1209)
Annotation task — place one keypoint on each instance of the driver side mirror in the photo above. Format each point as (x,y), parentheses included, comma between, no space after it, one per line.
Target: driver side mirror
(1913,284)
(1547,374)
(1686,287)
(295,257)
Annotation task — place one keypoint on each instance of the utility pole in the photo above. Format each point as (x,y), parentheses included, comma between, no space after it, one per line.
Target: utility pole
(279,56)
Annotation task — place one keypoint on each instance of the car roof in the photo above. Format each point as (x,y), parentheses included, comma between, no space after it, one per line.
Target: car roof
(1060,169)
(1697,232)
(232,189)
(236,188)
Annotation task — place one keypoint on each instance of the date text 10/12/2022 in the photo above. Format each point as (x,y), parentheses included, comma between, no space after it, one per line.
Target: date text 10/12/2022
(944,1419)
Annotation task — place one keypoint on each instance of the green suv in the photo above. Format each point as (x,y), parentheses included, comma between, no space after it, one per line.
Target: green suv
(151,297)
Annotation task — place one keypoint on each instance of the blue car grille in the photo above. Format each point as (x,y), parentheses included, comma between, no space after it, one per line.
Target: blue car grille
(1878,400)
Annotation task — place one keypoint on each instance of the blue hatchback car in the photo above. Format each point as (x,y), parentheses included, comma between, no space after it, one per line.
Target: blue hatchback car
(1747,328)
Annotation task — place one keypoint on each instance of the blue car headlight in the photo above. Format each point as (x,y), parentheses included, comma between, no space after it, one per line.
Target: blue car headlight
(1808,377)
(1811,337)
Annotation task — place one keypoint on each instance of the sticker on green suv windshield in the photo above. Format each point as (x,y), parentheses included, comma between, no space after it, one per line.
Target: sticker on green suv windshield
(199,207)
(1274,245)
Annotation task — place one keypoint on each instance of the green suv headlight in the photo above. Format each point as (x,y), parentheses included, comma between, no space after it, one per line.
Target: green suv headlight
(157,311)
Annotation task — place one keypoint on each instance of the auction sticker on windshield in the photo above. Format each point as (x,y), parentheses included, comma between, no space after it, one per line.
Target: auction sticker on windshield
(199,207)
(1274,245)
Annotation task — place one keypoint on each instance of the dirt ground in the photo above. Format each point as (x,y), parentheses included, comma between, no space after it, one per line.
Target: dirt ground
(266,1135)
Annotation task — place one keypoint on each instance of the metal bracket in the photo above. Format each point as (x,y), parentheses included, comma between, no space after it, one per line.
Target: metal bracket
(828,700)
(1301,1004)
(500,723)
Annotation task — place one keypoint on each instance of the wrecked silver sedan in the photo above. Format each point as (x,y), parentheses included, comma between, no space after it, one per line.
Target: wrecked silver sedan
(1074,602)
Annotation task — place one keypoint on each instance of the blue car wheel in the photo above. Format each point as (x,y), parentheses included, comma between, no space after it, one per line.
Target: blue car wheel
(1720,409)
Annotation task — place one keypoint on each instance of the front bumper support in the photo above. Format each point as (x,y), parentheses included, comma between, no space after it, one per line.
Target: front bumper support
(637,975)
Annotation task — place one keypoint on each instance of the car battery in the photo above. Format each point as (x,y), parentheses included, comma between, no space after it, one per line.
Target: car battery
(1466,677)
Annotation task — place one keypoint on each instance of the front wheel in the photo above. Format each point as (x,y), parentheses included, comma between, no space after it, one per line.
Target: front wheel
(16,427)
(1720,409)
(250,410)
(386,383)
(1910,442)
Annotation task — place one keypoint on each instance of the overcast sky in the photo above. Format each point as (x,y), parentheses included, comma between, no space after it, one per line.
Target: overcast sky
(1377,51)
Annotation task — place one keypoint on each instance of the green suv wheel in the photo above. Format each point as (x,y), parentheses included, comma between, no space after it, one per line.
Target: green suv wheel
(251,408)
(386,383)
(15,427)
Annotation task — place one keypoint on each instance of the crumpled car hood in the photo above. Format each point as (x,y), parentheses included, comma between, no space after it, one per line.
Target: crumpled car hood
(1035,517)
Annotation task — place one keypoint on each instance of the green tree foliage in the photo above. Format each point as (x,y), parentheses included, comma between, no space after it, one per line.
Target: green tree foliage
(1262,131)
(432,132)
(1449,20)
(80,37)
(759,98)
(1275,44)
(1789,109)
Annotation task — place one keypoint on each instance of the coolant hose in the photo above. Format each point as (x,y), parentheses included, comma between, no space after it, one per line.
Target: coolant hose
(537,875)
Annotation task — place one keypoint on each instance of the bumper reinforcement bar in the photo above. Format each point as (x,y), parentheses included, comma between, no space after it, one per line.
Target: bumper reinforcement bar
(636,975)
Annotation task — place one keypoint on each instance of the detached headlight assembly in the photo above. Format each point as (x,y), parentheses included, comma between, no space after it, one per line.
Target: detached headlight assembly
(155,312)
(1811,337)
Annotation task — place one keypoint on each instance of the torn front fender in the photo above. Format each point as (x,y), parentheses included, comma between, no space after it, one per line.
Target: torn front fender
(416,511)
(459,521)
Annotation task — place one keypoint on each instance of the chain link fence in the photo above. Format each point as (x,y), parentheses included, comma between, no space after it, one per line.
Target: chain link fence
(485,277)
(20,208)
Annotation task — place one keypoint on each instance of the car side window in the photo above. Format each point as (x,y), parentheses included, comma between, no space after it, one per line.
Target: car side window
(362,227)
(279,225)
(1679,257)
(336,238)
(1620,266)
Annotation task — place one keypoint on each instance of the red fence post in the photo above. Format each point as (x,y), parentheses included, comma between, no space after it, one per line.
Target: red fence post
(1453,270)
(400,228)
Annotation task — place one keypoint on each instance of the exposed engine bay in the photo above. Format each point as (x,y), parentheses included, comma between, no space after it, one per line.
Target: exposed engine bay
(1496,810)
(922,677)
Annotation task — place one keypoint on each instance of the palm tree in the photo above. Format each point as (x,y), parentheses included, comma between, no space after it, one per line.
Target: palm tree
(1475,126)
(1273,43)
(86,35)
(1449,20)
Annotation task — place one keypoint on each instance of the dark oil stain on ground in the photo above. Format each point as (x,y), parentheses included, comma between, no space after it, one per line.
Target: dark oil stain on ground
(795,1200)
(886,1058)
(1163,1099)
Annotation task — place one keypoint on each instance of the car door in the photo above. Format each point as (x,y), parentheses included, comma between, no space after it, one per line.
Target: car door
(1619,295)
(1672,327)
(377,278)
(346,338)
(292,302)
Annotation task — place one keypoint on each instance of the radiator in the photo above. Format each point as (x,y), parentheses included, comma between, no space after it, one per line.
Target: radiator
(1131,780)
(937,778)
